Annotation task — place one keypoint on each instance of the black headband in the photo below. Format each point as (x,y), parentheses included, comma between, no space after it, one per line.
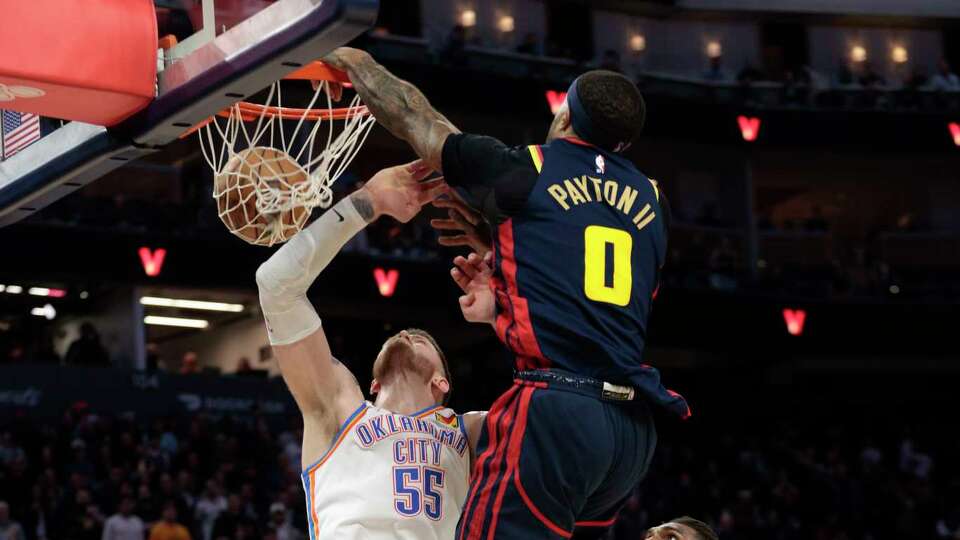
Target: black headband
(583,124)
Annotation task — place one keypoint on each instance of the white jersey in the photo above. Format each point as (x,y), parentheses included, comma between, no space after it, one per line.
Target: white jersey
(390,476)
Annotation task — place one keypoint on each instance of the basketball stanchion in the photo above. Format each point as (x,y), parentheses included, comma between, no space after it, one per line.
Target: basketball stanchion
(268,177)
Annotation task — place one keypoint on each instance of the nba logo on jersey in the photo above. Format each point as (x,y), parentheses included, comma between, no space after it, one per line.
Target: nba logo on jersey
(601,164)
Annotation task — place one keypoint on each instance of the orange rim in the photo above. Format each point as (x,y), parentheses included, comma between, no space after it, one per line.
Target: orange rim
(318,71)
(314,71)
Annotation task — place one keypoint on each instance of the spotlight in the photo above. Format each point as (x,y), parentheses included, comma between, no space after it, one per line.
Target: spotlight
(175,321)
(47,311)
(190,304)
(714,49)
(858,54)
(899,55)
(468,18)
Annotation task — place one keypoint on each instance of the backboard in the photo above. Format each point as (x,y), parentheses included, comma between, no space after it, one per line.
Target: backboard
(224,51)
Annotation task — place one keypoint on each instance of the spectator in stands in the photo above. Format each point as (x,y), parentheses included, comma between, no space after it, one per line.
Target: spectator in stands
(168,528)
(530,44)
(146,503)
(796,87)
(84,520)
(610,61)
(909,96)
(153,358)
(209,507)
(9,529)
(870,78)
(279,524)
(715,70)
(845,75)
(231,523)
(243,366)
(189,364)
(124,525)
(945,80)
(87,350)
(9,450)
(454,51)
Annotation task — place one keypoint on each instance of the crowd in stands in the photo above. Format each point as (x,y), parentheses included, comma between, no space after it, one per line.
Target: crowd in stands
(855,85)
(105,477)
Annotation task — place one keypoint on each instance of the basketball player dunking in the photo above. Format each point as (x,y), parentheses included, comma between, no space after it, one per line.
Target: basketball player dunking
(580,238)
(396,468)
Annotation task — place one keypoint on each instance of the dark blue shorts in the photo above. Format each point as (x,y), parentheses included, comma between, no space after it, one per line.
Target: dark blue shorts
(552,461)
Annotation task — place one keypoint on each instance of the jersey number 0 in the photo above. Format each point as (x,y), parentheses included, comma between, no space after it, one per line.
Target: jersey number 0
(601,283)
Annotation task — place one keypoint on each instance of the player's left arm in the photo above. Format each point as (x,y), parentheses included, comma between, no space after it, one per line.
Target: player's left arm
(494,178)
(397,105)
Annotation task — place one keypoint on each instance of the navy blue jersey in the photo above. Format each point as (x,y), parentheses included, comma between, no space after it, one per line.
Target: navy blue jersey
(580,237)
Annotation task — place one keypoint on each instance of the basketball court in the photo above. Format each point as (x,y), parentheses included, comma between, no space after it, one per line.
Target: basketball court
(133,90)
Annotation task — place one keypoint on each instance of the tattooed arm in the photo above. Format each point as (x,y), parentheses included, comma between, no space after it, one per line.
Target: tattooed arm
(397,105)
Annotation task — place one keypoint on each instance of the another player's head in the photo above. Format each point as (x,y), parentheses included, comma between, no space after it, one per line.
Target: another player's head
(684,528)
(603,108)
(412,357)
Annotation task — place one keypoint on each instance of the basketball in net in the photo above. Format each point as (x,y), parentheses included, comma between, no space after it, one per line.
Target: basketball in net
(273,165)
(254,175)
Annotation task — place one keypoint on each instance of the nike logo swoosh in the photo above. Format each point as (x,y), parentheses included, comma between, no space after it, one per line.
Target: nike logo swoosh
(339,216)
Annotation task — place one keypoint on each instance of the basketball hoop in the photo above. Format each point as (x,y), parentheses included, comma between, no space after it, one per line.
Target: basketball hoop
(267,178)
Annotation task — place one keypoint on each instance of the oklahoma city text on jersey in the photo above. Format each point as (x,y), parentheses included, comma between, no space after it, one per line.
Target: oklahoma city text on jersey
(408,450)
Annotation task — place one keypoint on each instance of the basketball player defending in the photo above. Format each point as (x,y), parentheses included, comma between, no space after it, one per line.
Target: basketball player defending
(579,240)
(396,468)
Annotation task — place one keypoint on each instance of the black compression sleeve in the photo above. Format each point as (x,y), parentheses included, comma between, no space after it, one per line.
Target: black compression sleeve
(494,178)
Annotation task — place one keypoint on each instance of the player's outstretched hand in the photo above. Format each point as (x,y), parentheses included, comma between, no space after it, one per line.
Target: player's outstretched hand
(401,191)
(472,230)
(472,274)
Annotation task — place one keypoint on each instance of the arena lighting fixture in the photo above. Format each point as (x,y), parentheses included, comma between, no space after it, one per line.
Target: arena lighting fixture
(386,281)
(858,53)
(152,260)
(190,304)
(749,127)
(468,18)
(505,24)
(899,54)
(714,49)
(43,291)
(955,131)
(14,289)
(175,321)
(794,319)
(555,99)
(638,43)
(47,311)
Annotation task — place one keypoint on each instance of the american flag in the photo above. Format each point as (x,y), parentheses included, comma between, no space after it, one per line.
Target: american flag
(19,130)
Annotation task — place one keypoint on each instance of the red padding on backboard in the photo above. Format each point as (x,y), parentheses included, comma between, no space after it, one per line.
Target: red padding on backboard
(92,60)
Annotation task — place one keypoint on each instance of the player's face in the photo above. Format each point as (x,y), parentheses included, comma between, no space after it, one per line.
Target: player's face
(408,354)
(671,531)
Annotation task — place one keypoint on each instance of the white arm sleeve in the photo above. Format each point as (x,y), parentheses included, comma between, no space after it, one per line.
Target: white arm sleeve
(284,279)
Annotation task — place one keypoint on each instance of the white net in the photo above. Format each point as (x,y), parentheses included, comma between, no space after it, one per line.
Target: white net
(267,177)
